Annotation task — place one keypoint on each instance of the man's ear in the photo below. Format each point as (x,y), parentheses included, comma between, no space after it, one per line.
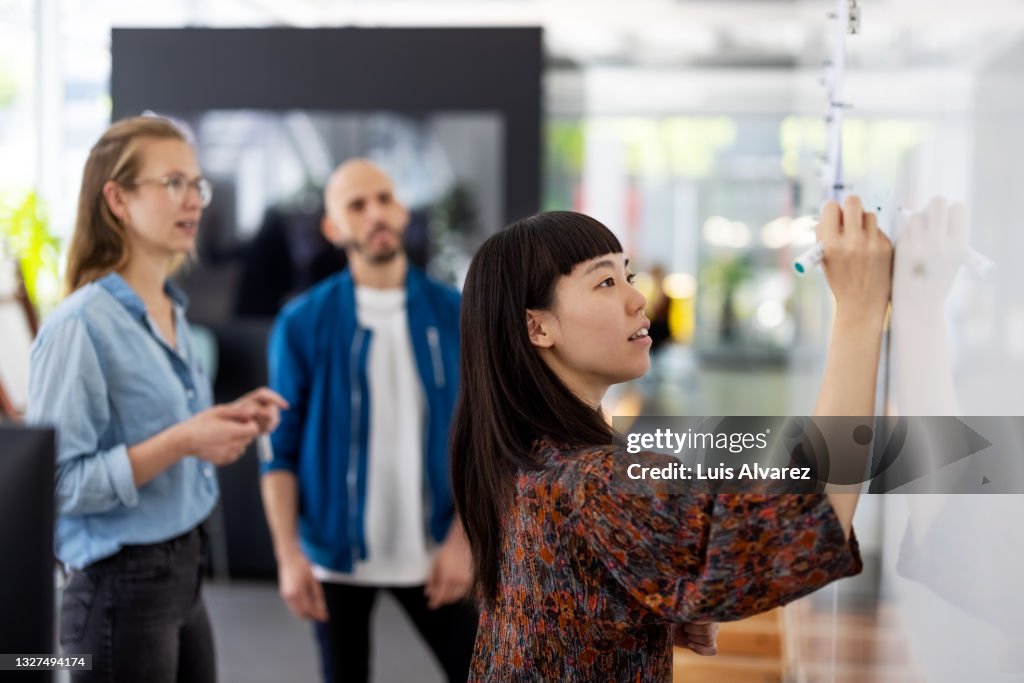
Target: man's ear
(330,231)
(405,214)
(113,195)
(537,328)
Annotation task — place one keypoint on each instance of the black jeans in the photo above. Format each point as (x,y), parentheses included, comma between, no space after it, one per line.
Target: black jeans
(140,614)
(449,631)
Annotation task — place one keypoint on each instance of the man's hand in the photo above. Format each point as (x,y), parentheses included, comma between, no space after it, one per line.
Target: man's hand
(301,591)
(451,574)
(700,637)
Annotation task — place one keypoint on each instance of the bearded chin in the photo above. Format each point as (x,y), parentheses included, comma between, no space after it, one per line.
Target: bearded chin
(382,257)
(377,257)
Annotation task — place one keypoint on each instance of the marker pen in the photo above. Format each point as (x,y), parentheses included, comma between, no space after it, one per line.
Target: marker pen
(977,265)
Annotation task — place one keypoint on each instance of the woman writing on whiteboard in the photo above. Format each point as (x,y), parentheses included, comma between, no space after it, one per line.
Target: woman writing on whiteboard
(581,580)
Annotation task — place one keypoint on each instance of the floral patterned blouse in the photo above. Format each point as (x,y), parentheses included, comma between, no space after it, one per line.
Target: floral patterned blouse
(597,569)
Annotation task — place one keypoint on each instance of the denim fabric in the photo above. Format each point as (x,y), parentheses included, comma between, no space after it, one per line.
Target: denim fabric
(141,616)
(317,360)
(102,374)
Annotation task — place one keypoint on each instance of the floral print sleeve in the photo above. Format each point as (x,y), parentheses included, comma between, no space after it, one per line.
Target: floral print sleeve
(596,570)
(688,557)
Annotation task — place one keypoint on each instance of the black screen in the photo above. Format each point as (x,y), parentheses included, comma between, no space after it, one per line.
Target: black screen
(26,543)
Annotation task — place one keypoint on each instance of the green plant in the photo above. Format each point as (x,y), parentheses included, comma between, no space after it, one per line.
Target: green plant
(724,276)
(25,236)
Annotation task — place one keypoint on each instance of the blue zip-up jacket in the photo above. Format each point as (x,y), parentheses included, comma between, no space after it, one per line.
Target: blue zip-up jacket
(317,359)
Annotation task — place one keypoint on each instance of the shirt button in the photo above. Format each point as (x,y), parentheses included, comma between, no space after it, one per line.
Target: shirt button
(208,470)
(190,393)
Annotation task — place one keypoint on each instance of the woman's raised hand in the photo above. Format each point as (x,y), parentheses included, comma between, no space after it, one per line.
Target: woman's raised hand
(858,260)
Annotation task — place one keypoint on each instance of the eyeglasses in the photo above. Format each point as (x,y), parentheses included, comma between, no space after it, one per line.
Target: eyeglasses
(177,187)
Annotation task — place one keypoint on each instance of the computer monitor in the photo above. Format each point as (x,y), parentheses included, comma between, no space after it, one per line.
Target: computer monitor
(27,457)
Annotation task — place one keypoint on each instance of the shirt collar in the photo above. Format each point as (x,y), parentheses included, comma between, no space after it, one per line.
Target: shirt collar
(126,296)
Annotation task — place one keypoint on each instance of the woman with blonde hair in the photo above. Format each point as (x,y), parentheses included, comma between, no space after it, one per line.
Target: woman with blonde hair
(115,372)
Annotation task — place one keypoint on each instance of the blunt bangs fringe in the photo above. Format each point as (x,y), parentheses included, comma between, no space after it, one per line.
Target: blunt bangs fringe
(569,238)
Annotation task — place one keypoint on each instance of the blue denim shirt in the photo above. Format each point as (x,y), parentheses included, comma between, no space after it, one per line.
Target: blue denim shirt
(103,375)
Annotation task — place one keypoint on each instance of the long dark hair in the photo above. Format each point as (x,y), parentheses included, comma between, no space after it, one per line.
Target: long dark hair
(509,397)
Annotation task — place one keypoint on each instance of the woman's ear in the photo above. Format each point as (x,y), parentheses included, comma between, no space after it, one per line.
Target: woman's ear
(113,195)
(537,328)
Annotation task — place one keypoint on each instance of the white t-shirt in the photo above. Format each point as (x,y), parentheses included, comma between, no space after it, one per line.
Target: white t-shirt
(396,537)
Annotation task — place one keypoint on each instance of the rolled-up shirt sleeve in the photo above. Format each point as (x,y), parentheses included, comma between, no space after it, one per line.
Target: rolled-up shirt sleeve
(68,391)
(711,556)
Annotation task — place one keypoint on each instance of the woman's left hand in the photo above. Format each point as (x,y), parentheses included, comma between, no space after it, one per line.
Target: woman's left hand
(266,405)
(700,637)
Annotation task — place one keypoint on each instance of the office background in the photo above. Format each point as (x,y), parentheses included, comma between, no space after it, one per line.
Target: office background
(694,129)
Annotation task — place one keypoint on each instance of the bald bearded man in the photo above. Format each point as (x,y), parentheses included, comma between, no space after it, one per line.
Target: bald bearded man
(357,486)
